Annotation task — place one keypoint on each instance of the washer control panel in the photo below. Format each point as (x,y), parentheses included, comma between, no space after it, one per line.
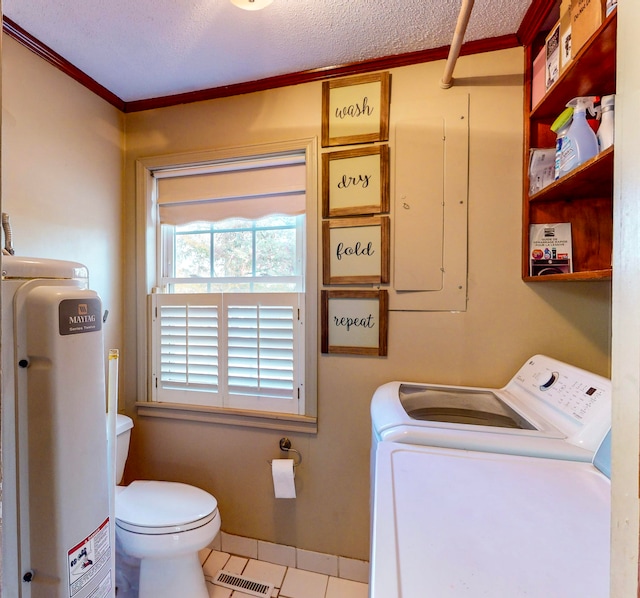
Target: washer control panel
(579,394)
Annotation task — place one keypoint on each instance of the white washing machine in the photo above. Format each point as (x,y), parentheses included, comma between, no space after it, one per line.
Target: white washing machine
(548,409)
(454,523)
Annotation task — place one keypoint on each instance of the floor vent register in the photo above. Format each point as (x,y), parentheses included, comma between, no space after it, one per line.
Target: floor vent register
(239,582)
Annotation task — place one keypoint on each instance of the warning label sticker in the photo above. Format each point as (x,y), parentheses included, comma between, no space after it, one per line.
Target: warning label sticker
(87,558)
(104,589)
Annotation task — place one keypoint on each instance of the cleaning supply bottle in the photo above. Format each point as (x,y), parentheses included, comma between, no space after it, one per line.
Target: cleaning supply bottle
(605,131)
(580,143)
(560,127)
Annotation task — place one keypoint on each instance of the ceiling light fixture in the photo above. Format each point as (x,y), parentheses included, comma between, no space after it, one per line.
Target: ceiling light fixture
(252,4)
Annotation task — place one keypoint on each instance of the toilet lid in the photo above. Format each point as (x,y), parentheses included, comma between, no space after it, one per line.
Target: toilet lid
(147,503)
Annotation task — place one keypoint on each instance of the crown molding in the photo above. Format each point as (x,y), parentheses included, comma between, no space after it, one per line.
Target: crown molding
(388,62)
(330,72)
(27,40)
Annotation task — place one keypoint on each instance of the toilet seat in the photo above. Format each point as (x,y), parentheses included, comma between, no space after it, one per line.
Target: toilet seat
(153,507)
(159,531)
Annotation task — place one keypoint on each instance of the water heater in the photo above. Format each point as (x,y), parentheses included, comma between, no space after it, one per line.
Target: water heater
(56,520)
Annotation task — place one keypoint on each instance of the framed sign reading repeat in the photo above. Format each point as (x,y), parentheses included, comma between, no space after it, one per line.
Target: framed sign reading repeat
(355,250)
(356,109)
(355,182)
(355,322)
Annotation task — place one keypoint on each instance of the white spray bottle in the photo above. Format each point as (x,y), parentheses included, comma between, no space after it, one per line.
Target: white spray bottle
(580,143)
(606,129)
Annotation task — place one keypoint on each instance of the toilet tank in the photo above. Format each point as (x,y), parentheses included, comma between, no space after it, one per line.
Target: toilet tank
(123,436)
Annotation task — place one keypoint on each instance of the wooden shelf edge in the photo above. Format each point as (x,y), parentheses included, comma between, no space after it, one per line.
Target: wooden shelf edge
(601,162)
(603,275)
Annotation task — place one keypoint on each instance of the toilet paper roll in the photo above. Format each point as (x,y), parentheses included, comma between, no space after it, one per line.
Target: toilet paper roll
(283,478)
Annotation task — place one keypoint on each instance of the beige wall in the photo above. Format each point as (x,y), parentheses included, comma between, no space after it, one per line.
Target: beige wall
(62,157)
(506,320)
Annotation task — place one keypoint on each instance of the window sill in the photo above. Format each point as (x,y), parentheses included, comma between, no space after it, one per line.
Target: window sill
(232,417)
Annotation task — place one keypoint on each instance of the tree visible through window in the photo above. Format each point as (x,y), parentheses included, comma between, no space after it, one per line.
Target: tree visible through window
(253,251)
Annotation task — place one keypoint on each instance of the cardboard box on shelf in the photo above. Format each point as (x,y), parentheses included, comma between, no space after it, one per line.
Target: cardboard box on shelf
(541,168)
(552,53)
(565,33)
(586,17)
(538,86)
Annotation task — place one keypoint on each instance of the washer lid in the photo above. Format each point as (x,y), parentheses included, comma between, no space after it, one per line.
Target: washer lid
(459,405)
(148,503)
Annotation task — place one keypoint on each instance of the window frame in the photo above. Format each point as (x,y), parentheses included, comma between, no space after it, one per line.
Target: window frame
(148,275)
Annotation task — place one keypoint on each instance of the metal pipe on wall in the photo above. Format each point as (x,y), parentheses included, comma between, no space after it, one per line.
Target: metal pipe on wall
(456,43)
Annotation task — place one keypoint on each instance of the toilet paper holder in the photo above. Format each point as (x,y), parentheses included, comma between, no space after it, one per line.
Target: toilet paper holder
(285,446)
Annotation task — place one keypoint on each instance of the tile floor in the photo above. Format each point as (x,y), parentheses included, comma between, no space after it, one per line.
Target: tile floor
(331,577)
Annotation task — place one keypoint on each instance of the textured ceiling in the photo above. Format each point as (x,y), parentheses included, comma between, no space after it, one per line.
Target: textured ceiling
(141,49)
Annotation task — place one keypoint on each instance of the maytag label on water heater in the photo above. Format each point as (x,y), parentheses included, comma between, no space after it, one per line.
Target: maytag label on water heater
(80,315)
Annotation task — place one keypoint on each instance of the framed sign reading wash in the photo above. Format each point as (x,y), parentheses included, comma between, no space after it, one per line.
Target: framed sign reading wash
(355,322)
(356,109)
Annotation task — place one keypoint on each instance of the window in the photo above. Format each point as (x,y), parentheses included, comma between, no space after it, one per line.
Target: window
(235,255)
(230,284)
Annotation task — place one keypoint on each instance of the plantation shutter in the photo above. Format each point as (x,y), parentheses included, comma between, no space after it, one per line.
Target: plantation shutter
(186,339)
(236,350)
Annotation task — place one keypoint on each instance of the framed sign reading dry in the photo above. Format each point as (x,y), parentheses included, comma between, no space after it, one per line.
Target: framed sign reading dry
(356,109)
(355,322)
(355,182)
(355,250)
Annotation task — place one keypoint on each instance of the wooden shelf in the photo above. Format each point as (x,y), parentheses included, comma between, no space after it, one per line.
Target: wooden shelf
(584,197)
(592,179)
(573,277)
(591,72)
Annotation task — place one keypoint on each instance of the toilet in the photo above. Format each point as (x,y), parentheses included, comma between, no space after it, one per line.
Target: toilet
(164,525)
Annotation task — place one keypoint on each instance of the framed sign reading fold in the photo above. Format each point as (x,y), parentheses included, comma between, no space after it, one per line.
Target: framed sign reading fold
(356,250)
(355,182)
(355,322)
(356,109)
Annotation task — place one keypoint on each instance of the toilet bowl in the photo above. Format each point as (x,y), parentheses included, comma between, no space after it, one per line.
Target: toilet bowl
(165,525)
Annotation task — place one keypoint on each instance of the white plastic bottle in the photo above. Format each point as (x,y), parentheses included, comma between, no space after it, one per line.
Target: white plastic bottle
(605,131)
(580,143)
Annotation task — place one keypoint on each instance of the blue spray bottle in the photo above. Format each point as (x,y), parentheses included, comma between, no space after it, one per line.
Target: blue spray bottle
(580,143)
(560,127)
